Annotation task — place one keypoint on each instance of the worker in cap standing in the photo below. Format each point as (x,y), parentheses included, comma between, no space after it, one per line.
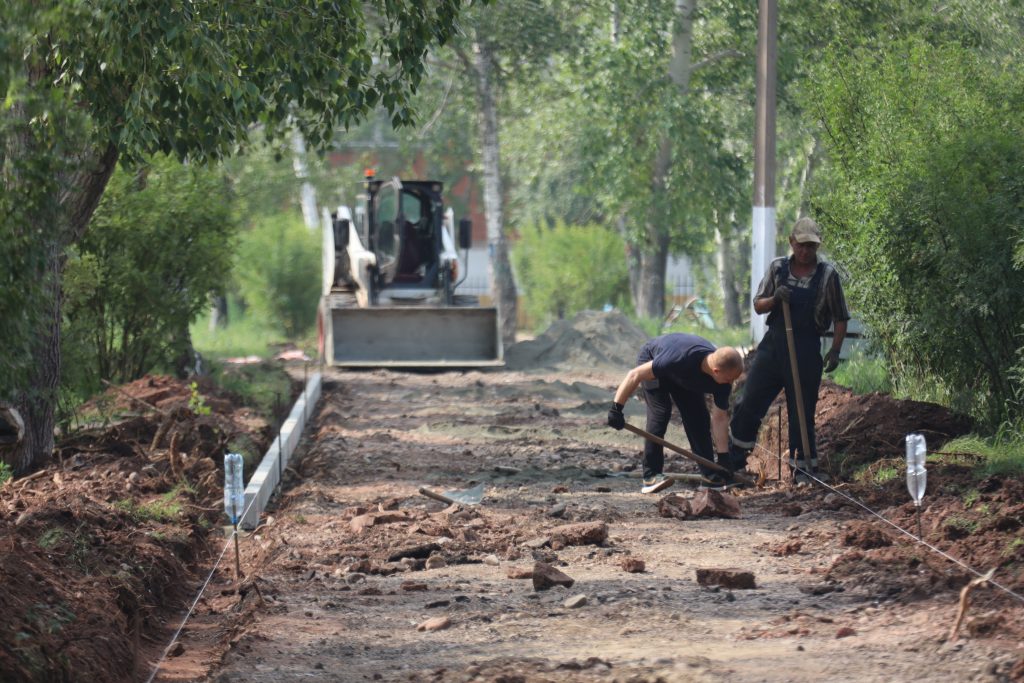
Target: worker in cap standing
(811,286)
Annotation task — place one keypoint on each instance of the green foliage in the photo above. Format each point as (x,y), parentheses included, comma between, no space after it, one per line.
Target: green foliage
(156,248)
(196,402)
(5,473)
(276,268)
(923,205)
(569,268)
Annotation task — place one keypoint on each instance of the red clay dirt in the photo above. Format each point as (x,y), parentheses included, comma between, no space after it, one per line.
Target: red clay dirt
(356,576)
(98,550)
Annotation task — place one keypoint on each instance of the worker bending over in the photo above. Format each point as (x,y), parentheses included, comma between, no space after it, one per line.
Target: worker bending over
(681,369)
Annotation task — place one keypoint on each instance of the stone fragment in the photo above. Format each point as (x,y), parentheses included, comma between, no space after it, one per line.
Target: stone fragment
(735,579)
(575,602)
(492,560)
(708,503)
(413,586)
(674,506)
(560,489)
(434,624)
(845,631)
(633,566)
(417,551)
(582,533)
(520,573)
(557,511)
(545,576)
(435,562)
(537,543)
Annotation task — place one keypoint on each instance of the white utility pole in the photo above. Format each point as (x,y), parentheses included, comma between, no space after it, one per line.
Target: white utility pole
(762,242)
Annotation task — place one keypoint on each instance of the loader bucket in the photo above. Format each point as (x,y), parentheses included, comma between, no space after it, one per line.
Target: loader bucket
(414,337)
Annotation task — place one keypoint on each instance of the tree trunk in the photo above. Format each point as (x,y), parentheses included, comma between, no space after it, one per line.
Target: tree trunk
(79,194)
(499,271)
(653,261)
(725,262)
(632,261)
(650,301)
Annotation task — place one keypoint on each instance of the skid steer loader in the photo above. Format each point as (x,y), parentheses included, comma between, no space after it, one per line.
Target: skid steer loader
(390,274)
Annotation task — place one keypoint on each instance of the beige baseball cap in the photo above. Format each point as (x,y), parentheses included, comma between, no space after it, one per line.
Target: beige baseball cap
(806,230)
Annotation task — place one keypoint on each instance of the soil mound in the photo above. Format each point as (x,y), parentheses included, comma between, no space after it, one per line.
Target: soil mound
(854,430)
(591,339)
(95,546)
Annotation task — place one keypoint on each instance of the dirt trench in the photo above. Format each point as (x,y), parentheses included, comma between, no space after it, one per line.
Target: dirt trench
(361,578)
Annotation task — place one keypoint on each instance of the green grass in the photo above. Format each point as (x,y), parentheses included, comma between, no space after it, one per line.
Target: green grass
(244,335)
(723,336)
(1001,455)
(863,374)
(260,385)
(164,509)
(50,538)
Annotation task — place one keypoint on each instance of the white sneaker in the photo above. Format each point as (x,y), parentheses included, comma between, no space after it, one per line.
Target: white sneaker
(658,482)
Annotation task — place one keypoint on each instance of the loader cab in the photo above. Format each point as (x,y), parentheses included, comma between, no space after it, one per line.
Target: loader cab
(405,219)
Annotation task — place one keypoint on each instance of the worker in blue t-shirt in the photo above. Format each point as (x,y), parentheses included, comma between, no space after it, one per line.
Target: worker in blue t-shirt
(681,369)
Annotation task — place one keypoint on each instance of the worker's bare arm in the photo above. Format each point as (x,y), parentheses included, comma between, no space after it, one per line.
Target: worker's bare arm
(641,373)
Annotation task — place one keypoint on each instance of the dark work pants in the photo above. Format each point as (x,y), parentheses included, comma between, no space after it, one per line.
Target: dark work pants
(770,373)
(696,422)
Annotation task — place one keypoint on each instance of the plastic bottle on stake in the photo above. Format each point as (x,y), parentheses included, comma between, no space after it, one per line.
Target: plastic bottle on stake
(917,477)
(234,487)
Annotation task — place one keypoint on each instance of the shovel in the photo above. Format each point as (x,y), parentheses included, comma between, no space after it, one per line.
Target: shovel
(704,462)
(797,391)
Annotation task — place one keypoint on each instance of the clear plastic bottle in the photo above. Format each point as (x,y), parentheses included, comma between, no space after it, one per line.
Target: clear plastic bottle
(917,477)
(234,486)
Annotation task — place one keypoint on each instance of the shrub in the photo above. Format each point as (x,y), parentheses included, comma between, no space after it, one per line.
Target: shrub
(159,243)
(569,268)
(277,269)
(923,204)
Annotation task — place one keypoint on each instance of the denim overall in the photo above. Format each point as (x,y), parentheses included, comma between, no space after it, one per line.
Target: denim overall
(771,372)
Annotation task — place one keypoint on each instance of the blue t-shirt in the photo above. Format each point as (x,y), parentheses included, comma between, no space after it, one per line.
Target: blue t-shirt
(677,360)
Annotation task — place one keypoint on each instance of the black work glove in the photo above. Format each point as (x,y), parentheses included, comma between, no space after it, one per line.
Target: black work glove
(782,293)
(831,360)
(616,420)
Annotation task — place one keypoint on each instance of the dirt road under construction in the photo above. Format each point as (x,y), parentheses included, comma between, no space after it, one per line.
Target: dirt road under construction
(361,577)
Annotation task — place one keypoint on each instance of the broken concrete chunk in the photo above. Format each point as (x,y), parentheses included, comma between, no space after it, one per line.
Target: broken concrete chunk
(545,576)
(709,503)
(736,579)
(582,533)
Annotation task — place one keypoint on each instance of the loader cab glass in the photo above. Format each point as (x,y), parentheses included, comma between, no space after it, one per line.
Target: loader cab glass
(406,232)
